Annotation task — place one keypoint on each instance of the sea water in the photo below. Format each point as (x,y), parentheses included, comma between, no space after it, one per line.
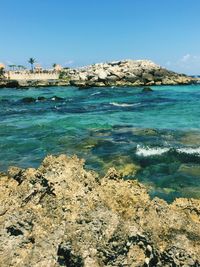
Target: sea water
(158,132)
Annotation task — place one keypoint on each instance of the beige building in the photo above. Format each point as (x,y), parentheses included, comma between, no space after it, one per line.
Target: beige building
(38,68)
(57,67)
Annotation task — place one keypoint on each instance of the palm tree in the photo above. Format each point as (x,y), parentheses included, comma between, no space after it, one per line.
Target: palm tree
(11,67)
(20,67)
(54,65)
(31,61)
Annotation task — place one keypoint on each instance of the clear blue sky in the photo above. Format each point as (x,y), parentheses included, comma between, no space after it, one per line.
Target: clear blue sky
(79,32)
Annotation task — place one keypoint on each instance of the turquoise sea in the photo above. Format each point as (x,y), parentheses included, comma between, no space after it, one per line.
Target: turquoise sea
(157,133)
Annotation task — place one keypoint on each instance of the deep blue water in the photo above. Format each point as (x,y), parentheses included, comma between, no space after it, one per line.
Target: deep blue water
(122,127)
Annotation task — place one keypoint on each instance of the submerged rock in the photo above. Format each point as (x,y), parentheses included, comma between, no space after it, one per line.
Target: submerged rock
(147,89)
(12,84)
(28,100)
(41,98)
(57,98)
(63,215)
(190,169)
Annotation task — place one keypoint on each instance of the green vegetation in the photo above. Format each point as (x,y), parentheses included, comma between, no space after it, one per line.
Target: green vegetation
(63,76)
(2,71)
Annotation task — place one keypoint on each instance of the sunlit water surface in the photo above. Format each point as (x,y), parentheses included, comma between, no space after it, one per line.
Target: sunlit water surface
(156,133)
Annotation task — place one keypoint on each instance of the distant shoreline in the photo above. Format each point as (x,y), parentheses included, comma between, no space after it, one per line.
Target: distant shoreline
(125,73)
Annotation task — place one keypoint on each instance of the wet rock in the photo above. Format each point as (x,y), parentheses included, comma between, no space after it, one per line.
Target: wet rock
(190,139)
(129,169)
(146,131)
(147,89)
(41,98)
(84,86)
(28,100)
(57,98)
(12,84)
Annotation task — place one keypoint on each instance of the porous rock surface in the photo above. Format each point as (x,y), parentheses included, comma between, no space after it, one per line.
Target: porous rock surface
(62,215)
(125,73)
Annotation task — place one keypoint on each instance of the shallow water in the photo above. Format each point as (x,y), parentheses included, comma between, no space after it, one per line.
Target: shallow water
(158,131)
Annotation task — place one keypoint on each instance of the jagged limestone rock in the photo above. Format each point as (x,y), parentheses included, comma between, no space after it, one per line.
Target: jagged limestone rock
(62,215)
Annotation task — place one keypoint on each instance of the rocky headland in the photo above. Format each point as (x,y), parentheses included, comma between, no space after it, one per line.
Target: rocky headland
(118,73)
(62,215)
(125,73)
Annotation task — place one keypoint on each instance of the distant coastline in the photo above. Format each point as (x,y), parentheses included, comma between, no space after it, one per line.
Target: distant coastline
(118,74)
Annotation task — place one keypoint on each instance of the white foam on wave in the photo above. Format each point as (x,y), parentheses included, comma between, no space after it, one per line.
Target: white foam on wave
(96,93)
(189,150)
(146,151)
(123,104)
(150,151)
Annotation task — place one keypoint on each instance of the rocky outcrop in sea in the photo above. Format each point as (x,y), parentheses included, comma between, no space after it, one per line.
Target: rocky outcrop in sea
(62,215)
(118,73)
(125,73)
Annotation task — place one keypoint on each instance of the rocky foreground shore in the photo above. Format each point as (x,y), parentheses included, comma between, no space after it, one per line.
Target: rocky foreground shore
(62,215)
(118,73)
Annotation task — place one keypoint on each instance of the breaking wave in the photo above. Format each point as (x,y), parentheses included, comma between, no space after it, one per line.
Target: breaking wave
(147,151)
(96,93)
(123,104)
(189,150)
(150,151)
